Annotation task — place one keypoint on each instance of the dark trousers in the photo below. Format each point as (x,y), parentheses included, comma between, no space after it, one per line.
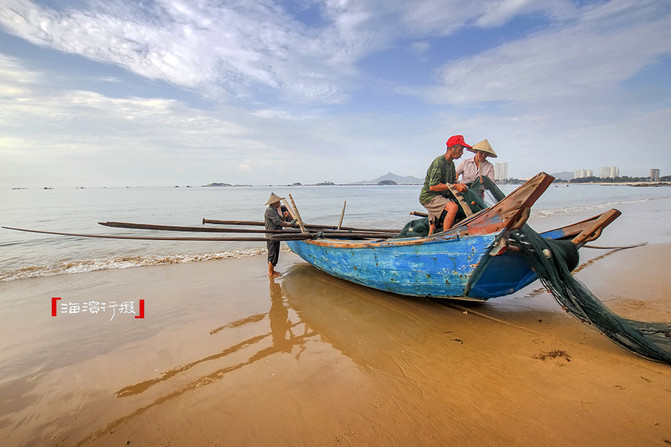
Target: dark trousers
(273,252)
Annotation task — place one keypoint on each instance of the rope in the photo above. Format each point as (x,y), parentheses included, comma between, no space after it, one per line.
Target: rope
(625,247)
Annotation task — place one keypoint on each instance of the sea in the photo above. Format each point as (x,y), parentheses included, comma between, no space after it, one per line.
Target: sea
(78,210)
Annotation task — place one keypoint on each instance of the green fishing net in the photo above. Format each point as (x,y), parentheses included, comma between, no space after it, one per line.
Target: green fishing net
(553,260)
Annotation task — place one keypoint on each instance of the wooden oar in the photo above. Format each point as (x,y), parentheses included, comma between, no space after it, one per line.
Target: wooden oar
(310,226)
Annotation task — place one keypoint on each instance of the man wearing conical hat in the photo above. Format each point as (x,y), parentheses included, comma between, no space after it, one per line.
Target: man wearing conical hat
(477,166)
(274,219)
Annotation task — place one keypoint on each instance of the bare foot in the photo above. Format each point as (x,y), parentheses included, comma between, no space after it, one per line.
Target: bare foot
(275,274)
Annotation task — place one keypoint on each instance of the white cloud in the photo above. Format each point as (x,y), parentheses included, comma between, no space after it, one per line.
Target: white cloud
(240,47)
(595,53)
(203,47)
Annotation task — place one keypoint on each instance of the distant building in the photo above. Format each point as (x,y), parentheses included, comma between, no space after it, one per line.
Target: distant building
(582,173)
(610,172)
(500,171)
(654,175)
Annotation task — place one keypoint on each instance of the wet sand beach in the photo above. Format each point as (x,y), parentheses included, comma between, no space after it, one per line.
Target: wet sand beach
(225,356)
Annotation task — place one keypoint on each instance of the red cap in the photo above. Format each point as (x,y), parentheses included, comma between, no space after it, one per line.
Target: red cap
(457,139)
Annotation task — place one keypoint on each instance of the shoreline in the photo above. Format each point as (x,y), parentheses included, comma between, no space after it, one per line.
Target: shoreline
(225,356)
(322,361)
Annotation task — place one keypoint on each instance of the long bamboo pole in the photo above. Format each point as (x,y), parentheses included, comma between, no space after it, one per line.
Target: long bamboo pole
(275,237)
(147,238)
(138,226)
(287,232)
(310,226)
(418,213)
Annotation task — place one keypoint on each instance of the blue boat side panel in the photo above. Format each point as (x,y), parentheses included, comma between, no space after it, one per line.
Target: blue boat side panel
(503,275)
(507,273)
(439,268)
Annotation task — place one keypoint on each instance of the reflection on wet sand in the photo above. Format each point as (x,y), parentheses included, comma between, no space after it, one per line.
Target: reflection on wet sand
(279,324)
(350,318)
(283,340)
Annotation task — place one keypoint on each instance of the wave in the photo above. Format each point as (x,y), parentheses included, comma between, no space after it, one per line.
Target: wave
(596,206)
(122,262)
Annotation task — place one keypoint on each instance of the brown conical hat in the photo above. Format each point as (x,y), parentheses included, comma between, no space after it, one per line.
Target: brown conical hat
(484,146)
(274,198)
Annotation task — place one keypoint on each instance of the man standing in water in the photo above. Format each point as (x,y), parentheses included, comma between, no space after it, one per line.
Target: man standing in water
(440,177)
(274,219)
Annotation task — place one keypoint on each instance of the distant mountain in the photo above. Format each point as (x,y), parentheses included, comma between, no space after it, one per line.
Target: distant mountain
(389,176)
(565,175)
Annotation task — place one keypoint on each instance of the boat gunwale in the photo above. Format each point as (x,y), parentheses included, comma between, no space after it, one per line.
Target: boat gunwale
(453,235)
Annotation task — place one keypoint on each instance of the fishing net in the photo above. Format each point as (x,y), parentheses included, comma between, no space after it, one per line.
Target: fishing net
(553,260)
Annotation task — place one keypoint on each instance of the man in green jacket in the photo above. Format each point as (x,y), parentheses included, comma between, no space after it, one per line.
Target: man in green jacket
(440,176)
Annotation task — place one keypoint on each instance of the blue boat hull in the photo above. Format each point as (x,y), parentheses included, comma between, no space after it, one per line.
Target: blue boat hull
(450,267)
(439,267)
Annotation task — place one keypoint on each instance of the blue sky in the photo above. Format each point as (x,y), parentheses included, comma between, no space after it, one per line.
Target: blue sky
(129,92)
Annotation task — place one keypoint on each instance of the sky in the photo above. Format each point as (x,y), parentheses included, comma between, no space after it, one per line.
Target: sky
(168,92)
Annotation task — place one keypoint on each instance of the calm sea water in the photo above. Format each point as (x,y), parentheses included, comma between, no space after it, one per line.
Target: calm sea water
(26,255)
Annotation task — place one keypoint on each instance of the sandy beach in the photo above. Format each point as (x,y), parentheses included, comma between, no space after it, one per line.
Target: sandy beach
(225,356)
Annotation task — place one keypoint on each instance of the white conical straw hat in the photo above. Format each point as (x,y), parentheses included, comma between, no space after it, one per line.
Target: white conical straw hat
(274,198)
(484,146)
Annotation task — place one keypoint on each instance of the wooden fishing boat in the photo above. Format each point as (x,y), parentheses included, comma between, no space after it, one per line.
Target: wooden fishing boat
(474,260)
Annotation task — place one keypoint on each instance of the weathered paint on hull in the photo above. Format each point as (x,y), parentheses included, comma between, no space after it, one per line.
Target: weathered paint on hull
(440,268)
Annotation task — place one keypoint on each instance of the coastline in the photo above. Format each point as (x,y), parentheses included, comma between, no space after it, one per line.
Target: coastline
(224,356)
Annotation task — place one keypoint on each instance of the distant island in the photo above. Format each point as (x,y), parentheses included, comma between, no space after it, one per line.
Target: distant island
(391,177)
(216,185)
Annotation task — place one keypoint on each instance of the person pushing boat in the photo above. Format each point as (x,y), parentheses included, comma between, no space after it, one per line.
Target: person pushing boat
(440,177)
